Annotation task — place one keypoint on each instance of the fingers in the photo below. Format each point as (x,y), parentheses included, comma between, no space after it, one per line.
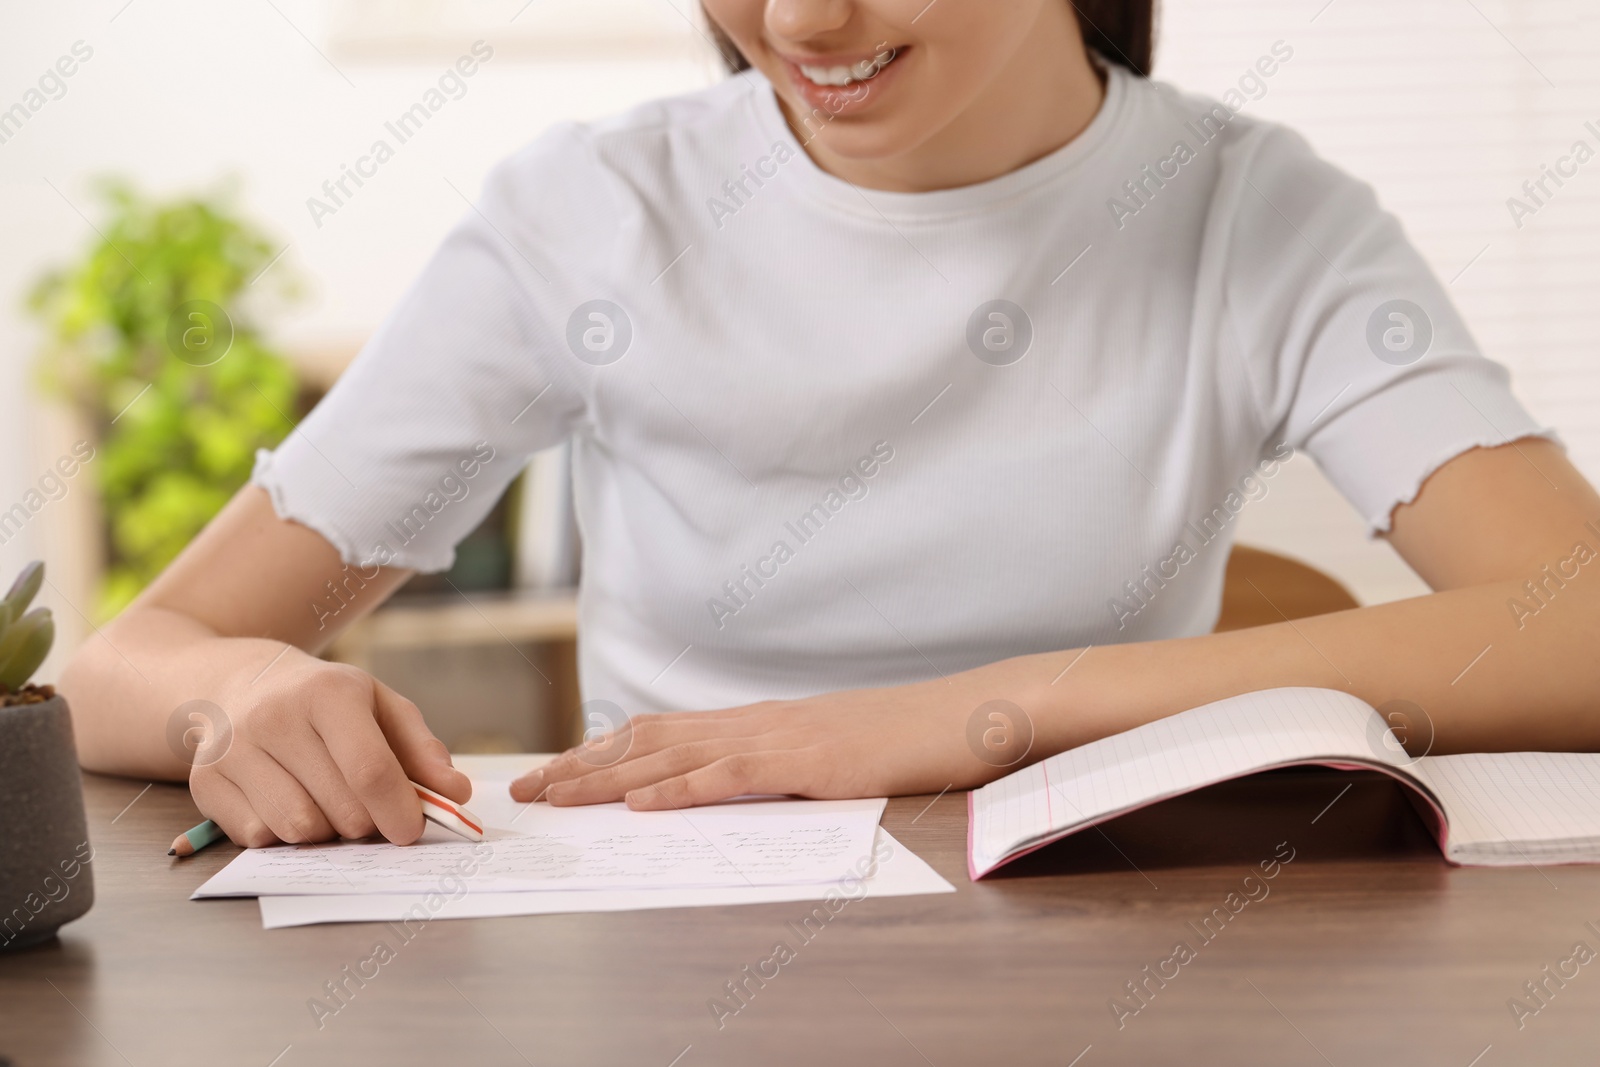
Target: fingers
(529,787)
(361,751)
(608,784)
(574,763)
(422,755)
(281,801)
(642,737)
(326,752)
(307,758)
(737,775)
(224,804)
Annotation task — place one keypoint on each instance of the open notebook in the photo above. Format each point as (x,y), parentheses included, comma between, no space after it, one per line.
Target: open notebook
(1496,809)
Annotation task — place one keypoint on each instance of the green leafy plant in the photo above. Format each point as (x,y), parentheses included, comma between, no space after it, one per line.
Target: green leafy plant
(151,339)
(25,636)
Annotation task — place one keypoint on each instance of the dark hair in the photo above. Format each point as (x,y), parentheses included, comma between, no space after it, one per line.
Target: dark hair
(1121,31)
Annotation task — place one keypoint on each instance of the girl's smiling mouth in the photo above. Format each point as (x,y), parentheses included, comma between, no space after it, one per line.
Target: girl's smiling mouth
(843,84)
(841,74)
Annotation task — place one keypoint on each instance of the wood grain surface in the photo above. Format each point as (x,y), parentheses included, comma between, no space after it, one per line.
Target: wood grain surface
(1365,949)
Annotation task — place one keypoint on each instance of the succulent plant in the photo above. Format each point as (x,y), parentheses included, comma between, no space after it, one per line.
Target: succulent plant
(25,636)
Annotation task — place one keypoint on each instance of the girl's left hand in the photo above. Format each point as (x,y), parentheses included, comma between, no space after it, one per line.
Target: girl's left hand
(919,738)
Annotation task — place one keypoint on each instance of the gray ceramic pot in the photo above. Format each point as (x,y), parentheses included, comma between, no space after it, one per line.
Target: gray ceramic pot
(45,875)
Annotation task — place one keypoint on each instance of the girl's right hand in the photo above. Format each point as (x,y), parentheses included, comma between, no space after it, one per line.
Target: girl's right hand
(312,751)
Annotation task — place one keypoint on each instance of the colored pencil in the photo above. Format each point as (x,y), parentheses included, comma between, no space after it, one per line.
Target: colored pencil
(192,841)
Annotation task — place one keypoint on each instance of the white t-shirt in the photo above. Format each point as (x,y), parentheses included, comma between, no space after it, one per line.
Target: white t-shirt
(829,437)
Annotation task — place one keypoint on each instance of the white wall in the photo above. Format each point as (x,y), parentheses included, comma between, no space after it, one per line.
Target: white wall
(1447,107)
(1442,104)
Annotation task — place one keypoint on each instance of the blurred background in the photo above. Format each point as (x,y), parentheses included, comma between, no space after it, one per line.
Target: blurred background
(158,151)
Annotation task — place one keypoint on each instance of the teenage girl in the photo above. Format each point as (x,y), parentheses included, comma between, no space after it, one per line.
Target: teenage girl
(921,364)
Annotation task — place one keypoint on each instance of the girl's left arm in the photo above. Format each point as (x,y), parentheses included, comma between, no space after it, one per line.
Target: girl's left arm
(1503,656)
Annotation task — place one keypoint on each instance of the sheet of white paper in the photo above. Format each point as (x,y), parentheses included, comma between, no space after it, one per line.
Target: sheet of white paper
(528,847)
(1514,808)
(900,873)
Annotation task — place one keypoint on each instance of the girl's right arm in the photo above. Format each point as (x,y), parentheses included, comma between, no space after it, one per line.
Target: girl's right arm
(300,749)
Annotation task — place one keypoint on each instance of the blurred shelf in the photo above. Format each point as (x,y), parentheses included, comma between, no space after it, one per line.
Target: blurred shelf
(541,626)
(455,620)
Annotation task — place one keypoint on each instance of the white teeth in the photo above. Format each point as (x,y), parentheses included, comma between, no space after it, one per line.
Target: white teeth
(841,76)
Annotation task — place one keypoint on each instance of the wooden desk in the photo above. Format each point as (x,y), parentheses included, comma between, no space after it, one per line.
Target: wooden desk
(1368,950)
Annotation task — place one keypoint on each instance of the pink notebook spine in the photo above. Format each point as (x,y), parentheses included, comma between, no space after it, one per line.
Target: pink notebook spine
(1434,815)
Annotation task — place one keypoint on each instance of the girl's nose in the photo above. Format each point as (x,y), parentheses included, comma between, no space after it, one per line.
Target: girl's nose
(799,21)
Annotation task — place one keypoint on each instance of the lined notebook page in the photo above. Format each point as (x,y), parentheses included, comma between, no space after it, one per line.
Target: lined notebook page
(1514,808)
(1167,757)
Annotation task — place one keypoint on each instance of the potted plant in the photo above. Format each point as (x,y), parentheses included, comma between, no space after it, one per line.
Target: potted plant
(45,880)
(150,335)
